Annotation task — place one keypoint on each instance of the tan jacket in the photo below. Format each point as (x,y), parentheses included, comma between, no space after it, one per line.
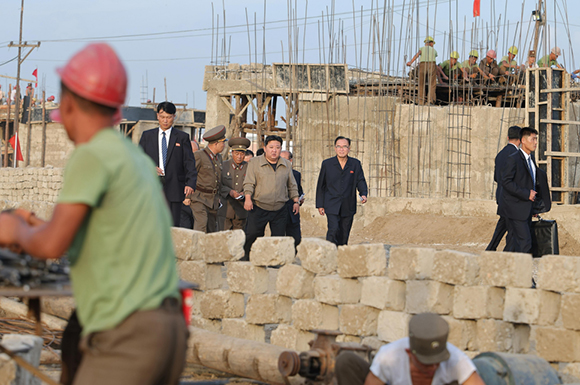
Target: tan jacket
(208,178)
(270,189)
(233,179)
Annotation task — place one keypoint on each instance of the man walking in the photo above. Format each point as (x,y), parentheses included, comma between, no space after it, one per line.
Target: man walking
(232,186)
(268,185)
(293,219)
(171,151)
(205,200)
(340,177)
(500,162)
(111,218)
(518,182)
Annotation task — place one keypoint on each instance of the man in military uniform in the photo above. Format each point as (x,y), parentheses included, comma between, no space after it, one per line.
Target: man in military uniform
(232,185)
(205,199)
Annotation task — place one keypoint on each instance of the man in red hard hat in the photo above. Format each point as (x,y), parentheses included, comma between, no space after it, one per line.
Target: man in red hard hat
(488,65)
(122,270)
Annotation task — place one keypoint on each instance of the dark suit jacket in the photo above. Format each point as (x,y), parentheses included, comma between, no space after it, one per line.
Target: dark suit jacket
(290,203)
(500,161)
(180,169)
(516,185)
(336,188)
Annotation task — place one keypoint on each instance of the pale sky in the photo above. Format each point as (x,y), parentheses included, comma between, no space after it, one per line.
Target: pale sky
(173,39)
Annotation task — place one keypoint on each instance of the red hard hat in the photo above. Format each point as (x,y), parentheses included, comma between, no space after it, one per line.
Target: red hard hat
(96,74)
(491,53)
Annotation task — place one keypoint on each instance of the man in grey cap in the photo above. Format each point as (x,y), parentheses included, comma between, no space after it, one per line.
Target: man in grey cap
(205,199)
(425,357)
(232,186)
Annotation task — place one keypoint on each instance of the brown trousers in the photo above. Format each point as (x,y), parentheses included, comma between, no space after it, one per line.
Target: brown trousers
(427,74)
(204,218)
(234,224)
(148,348)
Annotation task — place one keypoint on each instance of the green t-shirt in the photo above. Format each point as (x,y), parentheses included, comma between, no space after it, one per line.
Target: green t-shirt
(122,257)
(428,54)
(546,59)
(466,64)
(506,60)
(445,67)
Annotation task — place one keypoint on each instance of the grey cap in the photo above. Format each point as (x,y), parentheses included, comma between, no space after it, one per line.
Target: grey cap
(428,338)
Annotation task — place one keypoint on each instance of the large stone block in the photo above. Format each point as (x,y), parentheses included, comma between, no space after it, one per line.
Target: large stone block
(185,243)
(290,337)
(393,325)
(28,348)
(206,324)
(8,370)
(383,293)
(333,290)
(559,273)
(272,251)
(407,263)
(462,333)
(570,310)
(505,269)
(359,320)
(296,282)
(223,246)
(207,276)
(455,267)
(317,255)
(372,341)
(268,309)
(428,296)
(308,314)
(244,277)
(494,335)
(555,344)
(362,260)
(531,306)
(475,302)
(217,304)
(238,328)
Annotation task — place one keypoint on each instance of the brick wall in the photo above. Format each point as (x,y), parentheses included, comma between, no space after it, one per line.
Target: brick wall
(369,292)
(30,184)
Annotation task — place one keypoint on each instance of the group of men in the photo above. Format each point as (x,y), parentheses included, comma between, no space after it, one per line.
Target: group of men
(488,71)
(522,190)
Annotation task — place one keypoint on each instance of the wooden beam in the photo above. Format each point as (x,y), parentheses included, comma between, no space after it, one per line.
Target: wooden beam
(571,122)
(227,103)
(563,154)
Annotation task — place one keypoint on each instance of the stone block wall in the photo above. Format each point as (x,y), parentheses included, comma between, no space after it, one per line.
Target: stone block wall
(30,184)
(369,292)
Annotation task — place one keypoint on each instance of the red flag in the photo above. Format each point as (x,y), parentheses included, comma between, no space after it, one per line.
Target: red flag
(35,74)
(475,8)
(15,142)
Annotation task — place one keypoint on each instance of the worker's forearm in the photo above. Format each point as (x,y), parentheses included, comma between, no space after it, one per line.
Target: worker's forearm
(39,242)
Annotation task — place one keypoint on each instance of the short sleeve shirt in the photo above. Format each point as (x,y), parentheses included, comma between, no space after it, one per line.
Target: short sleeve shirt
(546,59)
(122,257)
(445,67)
(506,60)
(428,54)
(391,365)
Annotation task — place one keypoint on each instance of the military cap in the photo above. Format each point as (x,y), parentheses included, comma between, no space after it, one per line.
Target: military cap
(216,134)
(532,53)
(239,144)
(428,338)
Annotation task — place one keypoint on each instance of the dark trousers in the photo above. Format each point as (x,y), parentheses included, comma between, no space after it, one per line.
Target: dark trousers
(293,224)
(175,209)
(338,228)
(520,233)
(500,230)
(351,369)
(147,348)
(186,220)
(256,225)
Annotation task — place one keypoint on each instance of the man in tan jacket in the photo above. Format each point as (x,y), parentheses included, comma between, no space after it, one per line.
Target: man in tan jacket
(205,199)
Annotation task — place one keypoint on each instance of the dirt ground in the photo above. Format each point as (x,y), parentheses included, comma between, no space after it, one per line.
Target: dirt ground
(456,233)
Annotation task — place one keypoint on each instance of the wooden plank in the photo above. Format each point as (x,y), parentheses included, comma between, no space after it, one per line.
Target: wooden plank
(565,189)
(227,103)
(551,121)
(575,89)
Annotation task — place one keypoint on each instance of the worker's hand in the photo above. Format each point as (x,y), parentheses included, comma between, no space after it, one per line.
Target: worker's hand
(28,217)
(188,191)
(491,76)
(248,205)
(9,225)
(473,76)
(363,199)
(234,194)
(159,172)
(321,210)
(533,195)
(409,63)
(187,201)
(445,77)
(296,208)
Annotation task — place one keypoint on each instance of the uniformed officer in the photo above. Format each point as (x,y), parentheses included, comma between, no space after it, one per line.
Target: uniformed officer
(205,199)
(232,185)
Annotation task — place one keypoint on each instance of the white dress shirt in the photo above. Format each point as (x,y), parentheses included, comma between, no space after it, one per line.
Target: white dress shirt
(527,156)
(167,135)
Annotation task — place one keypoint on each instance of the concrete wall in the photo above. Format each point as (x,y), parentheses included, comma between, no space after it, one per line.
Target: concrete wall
(369,292)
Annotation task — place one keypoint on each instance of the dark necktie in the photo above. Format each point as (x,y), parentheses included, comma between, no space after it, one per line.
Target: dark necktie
(164,150)
(532,171)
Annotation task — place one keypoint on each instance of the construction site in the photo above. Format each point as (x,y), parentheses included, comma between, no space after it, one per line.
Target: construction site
(418,244)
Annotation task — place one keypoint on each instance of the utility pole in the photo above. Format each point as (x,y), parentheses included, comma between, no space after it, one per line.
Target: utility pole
(540,17)
(20,60)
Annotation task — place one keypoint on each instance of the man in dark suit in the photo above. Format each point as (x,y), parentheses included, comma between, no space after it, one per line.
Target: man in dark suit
(171,151)
(293,220)
(518,182)
(340,177)
(500,160)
